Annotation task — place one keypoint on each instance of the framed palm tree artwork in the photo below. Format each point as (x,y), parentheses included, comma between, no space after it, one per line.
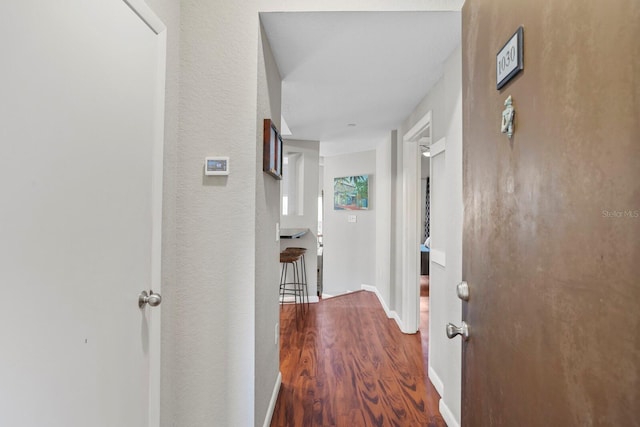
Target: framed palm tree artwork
(351,193)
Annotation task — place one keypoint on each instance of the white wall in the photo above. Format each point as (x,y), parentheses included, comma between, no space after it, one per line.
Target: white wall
(310,152)
(321,182)
(210,337)
(395,201)
(398,216)
(349,248)
(383,217)
(445,102)
(210,351)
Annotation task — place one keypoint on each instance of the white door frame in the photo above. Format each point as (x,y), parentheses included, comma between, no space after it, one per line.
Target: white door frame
(410,318)
(147,15)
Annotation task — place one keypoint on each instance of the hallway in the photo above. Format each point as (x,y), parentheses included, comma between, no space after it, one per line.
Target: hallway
(349,365)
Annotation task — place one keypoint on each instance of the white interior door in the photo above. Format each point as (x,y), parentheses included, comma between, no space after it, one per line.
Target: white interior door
(444,275)
(80,173)
(437,264)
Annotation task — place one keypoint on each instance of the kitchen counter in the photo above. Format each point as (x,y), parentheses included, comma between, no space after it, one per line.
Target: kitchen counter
(293,233)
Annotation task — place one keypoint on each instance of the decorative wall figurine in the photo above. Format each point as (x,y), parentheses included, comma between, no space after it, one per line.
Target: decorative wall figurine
(507,117)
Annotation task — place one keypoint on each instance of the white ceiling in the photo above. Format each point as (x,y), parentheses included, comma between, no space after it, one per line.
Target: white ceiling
(365,68)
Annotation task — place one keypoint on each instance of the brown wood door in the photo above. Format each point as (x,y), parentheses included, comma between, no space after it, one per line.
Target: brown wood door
(551,246)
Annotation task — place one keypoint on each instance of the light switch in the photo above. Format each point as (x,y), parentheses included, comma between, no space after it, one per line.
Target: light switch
(352,218)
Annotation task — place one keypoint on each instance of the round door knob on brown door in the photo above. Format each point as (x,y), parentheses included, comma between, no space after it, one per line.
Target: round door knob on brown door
(453,330)
(153,299)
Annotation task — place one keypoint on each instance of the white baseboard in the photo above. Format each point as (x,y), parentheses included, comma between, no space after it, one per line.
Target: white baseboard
(436,381)
(390,313)
(373,289)
(290,299)
(396,317)
(447,415)
(328,296)
(272,402)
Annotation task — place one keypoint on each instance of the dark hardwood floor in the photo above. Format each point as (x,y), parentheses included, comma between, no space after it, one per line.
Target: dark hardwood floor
(348,365)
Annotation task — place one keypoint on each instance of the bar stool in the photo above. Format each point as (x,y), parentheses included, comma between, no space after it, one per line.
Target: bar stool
(303,268)
(293,287)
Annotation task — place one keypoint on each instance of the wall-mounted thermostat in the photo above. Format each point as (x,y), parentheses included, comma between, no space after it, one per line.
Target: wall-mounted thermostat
(216,166)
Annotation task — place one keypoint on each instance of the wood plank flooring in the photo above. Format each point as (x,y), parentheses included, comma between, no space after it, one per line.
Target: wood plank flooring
(348,365)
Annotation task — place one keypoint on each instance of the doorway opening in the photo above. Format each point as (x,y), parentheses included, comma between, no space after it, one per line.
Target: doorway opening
(414,143)
(400,298)
(416,247)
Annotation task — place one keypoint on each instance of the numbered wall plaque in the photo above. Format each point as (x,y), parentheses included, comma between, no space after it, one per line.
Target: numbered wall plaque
(509,61)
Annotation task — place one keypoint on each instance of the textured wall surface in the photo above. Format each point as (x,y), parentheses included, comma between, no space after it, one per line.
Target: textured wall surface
(552,233)
(213,315)
(349,248)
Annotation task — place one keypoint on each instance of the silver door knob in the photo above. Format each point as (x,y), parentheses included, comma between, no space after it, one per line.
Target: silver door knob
(453,330)
(153,299)
(462,289)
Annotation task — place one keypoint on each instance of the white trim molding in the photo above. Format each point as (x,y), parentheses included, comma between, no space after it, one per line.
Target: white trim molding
(447,415)
(438,147)
(147,15)
(419,128)
(390,313)
(272,402)
(435,380)
(373,289)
